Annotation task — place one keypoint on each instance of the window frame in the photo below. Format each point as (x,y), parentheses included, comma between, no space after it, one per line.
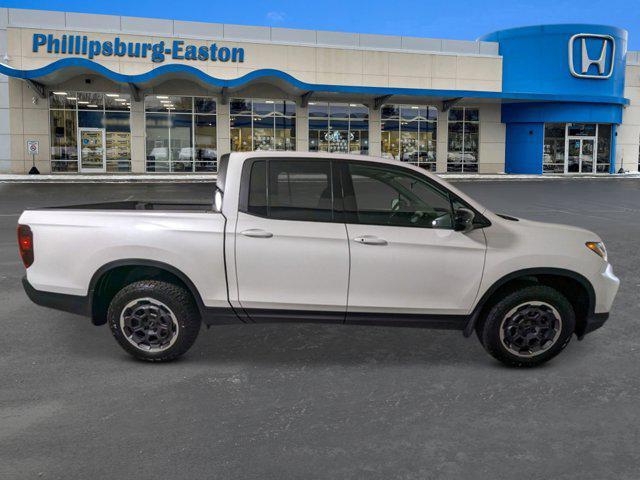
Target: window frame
(464,122)
(335,183)
(273,116)
(429,165)
(343,193)
(75,108)
(347,117)
(193,114)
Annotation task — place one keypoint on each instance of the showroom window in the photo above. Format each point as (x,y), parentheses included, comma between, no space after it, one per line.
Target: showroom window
(570,148)
(409,134)
(180,134)
(258,124)
(464,139)
(554,144)
(338,128)
(103,123)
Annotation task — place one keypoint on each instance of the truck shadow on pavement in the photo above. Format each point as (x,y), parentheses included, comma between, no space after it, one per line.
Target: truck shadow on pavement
(287,345)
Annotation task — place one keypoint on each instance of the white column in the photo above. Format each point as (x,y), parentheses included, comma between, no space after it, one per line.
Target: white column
(492,139)
(302,128)
(5,120)
(441,146)
(222,128)
(138,137)
(375,135)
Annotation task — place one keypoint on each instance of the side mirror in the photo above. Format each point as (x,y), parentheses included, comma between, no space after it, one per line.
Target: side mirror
(463,220)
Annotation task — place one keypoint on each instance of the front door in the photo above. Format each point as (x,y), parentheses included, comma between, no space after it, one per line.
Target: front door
(91,150)
(406,257)
(580,155)
(291,251)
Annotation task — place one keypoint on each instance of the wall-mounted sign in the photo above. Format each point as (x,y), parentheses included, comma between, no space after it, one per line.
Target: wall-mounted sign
(157,52)
(591,55)
(33,147)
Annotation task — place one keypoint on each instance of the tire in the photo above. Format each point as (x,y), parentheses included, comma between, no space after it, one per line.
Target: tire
(153,320)
(528,326)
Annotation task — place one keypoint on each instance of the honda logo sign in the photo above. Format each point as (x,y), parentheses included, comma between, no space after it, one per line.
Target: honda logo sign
(595,58)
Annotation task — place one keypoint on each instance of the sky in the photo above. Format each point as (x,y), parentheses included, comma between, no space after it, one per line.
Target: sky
(452,19)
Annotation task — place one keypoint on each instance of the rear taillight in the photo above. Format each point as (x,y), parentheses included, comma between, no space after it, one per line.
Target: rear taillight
(25,244)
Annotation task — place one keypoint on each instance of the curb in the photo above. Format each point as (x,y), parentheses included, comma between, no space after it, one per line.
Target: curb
(210,178)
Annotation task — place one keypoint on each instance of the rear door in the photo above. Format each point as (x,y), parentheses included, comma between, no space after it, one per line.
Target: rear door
(406,257)
(292,252)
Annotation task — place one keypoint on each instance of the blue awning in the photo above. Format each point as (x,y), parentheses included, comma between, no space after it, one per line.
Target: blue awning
(64,69)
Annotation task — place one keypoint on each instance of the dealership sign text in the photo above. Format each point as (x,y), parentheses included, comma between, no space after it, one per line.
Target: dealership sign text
(157,52)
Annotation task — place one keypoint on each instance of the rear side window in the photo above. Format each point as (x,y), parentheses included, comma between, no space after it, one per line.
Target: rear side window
(291,190)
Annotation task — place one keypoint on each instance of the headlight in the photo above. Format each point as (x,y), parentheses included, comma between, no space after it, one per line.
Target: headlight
(599,248)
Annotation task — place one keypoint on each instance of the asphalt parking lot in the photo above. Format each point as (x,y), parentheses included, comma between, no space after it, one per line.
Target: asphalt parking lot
(325,402)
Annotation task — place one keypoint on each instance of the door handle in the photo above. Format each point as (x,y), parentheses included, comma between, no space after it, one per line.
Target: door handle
(256,233)
(370,240)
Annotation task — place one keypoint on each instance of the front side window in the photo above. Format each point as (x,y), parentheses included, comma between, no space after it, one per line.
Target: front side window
(180,133)
(262,124)
(392,196)
(464,139)
(291,190)
(338,128)
(409,134)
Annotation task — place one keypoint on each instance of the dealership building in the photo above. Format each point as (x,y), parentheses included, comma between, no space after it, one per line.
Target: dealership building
(84,93)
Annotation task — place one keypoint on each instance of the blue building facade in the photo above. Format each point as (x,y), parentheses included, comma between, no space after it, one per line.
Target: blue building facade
(583,66)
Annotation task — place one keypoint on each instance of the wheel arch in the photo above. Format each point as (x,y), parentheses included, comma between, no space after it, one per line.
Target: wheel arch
(576,287)
(109,278)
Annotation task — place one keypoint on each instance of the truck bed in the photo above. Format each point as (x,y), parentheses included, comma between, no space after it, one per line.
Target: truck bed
(137,205)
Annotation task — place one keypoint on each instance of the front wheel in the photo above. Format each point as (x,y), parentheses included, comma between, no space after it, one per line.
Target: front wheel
(153,320)
(528,326)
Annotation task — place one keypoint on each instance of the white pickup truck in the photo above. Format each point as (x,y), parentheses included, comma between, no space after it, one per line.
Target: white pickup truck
(320,238)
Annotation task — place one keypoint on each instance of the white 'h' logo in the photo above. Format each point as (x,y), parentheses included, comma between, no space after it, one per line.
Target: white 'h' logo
(587,61)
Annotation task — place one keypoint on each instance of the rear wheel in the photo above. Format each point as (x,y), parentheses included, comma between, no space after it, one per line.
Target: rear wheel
(153,320)
(528,326)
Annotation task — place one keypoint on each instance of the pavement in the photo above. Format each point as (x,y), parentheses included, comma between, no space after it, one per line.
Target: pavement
(321,401)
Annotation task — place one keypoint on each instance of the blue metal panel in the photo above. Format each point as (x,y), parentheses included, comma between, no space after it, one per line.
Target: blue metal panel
(524,145)
(536,59)
(561,112)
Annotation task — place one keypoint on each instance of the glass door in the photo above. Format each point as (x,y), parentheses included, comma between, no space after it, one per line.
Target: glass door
(586,155)
(579,156)
(91,151)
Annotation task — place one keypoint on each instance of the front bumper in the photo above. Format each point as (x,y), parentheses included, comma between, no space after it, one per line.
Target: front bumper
(59,301)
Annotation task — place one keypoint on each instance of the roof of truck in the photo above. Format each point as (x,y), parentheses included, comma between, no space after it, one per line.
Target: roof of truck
(309,155)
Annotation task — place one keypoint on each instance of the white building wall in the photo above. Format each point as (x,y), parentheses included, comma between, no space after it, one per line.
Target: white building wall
(628,139)
(5,117)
